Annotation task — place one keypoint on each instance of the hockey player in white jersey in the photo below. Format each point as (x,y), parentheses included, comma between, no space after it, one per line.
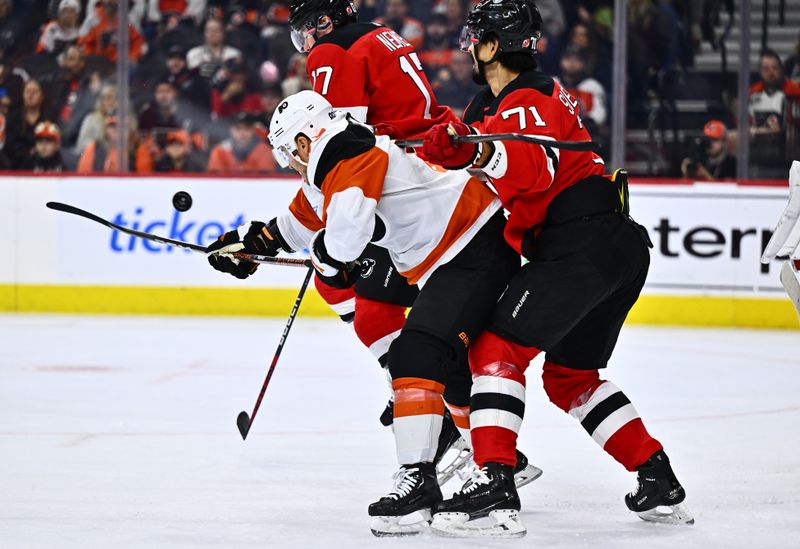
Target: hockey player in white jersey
(443,231)
(785,241)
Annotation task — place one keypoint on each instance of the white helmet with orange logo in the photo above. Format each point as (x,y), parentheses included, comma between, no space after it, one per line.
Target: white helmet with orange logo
(306,113)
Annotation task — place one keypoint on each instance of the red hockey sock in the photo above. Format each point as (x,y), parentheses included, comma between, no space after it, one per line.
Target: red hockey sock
(497,404)
(604,412)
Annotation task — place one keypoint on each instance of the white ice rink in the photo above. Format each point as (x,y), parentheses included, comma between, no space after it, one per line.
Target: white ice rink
(120,432)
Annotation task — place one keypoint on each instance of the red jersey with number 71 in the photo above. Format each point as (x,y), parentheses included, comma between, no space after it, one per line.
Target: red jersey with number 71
(375,74)
(528,177)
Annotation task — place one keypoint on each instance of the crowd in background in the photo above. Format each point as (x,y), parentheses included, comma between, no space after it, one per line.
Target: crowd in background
(206,75)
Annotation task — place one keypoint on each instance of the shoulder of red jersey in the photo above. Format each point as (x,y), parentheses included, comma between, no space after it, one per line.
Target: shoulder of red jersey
(351,142)
(346,36)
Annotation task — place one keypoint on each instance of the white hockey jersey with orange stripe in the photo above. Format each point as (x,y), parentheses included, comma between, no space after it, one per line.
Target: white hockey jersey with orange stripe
(364,189)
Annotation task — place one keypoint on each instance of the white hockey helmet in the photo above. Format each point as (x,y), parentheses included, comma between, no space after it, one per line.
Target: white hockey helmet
(305,112)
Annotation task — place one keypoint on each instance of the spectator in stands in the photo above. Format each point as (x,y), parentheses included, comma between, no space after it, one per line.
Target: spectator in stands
(771,99)
(271,97)
(101,38)
(73,91)
(650,43)
(160,10)
(207,59)
(10,29)
(241,32)
(553,18)
(21,123)
(792,64)
(458,89)
(437,51)
(233,91)
(768,95)
(189,85)
(396,18)
(712,162)
(94,124)
(10,86)
(101,154)
(165,110)
(5,162)
(589,93)
(178,155)
(276,36)
(46,153)
(455,12)
(244,152)
(61,32)
(96,10)
(297,77)
(595,51)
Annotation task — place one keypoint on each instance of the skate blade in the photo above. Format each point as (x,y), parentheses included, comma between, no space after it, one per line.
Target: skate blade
(403,525)
(457,456)
(527,475)
(501,523)
(668,514)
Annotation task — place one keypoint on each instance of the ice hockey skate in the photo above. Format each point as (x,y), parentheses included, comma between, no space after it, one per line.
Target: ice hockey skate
(488,506)
(524,472)
(406,510)
(453,453)
(659,496)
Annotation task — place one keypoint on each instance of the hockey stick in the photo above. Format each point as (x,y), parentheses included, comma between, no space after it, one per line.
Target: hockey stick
(252,258)
(243,421)
(566,145)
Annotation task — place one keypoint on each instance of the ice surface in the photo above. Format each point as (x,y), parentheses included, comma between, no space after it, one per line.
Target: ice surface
(121,432)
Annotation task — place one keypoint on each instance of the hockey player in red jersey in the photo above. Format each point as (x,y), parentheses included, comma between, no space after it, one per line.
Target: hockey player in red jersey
(588,263)
(374,74)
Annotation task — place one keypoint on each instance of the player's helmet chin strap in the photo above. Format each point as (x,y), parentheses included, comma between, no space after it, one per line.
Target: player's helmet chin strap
(480,77)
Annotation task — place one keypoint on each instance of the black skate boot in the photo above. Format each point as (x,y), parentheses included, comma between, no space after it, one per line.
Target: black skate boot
(406,510)
(658,487)
(452,452)
(524,472)
(490,493)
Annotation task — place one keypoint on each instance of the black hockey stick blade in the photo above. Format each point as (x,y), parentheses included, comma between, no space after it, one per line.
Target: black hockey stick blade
(590,146)
(252,258)
(243,423)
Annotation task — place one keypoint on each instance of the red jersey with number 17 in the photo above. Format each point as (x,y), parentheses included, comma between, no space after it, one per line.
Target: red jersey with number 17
(528,177)
(375,74)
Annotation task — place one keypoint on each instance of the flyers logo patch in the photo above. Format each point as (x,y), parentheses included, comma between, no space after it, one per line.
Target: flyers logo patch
(282,107)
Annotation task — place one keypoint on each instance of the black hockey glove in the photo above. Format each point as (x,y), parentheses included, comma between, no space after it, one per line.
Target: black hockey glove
(255,238)
(333,272)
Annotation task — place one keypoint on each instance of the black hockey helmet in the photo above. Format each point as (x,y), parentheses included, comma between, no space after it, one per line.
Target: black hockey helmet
(517,25)
(304,15)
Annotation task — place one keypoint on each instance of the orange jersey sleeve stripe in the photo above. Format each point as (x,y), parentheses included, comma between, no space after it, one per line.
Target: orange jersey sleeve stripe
(301,209)
(365,171)
(474,200)
(417,383)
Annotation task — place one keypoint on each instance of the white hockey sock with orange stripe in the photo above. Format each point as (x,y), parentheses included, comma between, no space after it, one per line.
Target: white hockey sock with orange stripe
(418,412)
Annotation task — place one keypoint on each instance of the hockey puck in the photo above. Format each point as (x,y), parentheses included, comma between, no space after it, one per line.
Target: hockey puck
(182,201)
